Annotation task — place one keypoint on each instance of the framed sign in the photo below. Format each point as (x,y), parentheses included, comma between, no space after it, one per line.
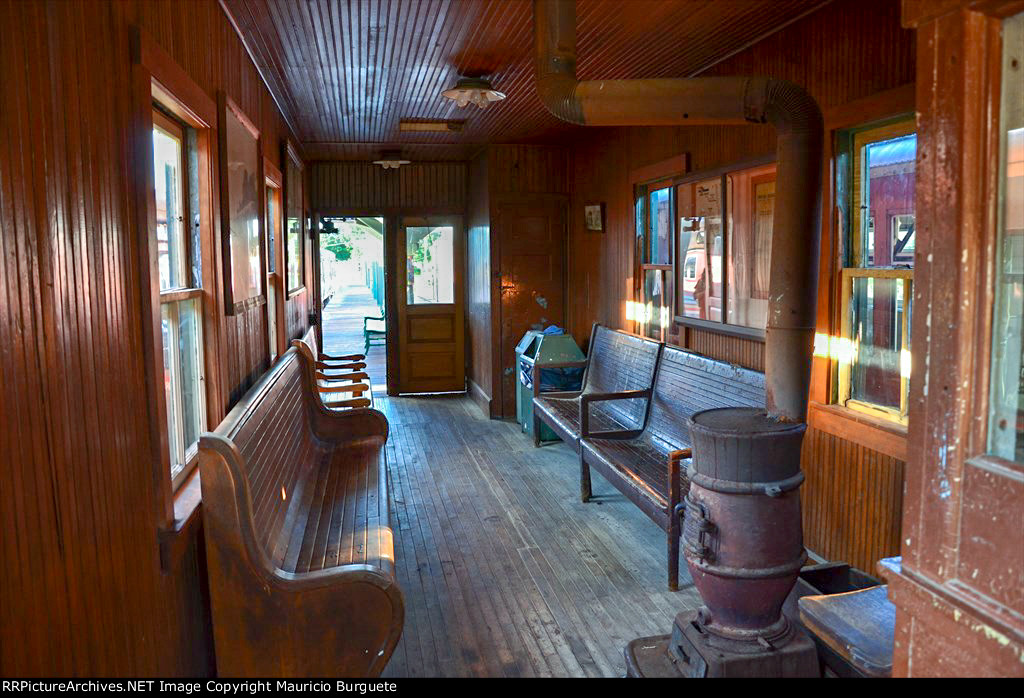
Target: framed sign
(593,215)
(294,241)
(241,208)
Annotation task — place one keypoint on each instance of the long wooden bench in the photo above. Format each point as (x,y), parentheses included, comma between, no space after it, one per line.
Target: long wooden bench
(647,467)
(335,388)
(300,553)
(614,396)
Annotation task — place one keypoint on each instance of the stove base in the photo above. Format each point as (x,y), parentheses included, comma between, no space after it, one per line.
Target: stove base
(692,652)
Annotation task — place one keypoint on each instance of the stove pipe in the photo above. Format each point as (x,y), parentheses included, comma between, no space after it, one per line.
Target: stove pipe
(718,101)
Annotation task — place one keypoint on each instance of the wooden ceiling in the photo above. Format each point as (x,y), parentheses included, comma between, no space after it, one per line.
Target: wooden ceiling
(345,72)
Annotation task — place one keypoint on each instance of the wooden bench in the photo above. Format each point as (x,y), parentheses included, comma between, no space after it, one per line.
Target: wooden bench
(335,387)
(646,467)
(617,364)
(299,548)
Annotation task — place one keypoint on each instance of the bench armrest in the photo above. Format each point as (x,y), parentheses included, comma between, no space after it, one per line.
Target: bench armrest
(346,357)
(587,398)
(343,377)
(340,367)
(347,388)
(676,489)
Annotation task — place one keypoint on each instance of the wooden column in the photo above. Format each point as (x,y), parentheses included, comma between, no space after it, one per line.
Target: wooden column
(958,594)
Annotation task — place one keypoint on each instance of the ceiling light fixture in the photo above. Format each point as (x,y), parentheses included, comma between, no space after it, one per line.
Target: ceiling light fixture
(473,90)
(391,160)
(430,125)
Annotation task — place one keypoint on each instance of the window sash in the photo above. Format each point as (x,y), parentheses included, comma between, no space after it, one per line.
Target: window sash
(846,350)
(183,455)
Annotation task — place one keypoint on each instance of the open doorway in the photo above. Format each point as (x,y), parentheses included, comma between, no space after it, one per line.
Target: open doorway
(352,287)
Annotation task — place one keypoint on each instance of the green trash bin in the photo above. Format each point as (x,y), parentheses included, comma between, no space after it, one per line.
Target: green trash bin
(538,348)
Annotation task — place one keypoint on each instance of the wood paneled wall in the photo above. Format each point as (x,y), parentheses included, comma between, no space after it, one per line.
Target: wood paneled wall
(83,590)
(364,187)
(846,51)
(480,356)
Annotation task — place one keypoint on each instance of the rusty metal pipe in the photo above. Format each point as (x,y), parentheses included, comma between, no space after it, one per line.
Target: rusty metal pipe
(718,100)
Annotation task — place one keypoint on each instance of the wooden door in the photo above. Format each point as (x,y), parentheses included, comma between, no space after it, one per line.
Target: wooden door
(429,301)
(532,262)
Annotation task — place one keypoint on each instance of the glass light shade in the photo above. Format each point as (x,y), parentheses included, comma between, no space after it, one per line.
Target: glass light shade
(473,91)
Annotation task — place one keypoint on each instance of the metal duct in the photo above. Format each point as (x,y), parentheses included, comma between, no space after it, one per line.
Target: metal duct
(719,100)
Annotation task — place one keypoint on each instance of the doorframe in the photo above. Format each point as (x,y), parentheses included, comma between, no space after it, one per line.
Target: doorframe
(390,322)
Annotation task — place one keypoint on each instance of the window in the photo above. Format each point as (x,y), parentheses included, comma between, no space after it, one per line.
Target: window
(700,249)
(655,219)
(178,264)
(750,197)
(273,219)
(430,264)
(875,185)
(1006,396)
(294,249)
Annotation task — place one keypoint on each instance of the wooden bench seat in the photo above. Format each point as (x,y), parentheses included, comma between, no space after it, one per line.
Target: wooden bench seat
(347,389)
(300,553)
(618,364)
(646,466)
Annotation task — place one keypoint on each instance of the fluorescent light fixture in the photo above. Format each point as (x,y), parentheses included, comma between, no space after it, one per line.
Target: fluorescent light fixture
(391,160)
(476,91)
(430,125)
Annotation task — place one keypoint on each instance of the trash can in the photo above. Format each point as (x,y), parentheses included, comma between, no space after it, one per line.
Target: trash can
(541,348)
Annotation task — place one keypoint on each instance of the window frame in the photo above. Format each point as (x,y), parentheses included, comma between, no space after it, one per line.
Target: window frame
(290,154)
(641,190)
(273,179)
(644,242)
(157,79)
(847,144)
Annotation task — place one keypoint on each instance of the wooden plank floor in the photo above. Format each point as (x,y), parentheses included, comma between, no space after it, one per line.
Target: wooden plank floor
(343,331)
(505,572)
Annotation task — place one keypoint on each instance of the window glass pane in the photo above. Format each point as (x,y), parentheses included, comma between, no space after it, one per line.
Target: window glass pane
(661,227)
(1006,428)
(658,293)
(751,197)
(169,328)
(271,231)
(293,225)
(191,385)
(167,178)
(887,212)
(877,332)
(430,264)
(272,316)
(700,249)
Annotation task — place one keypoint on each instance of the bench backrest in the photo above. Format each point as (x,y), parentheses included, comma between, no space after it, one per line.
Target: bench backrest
(273,434)
(688,383)
(309,339)
(617,362)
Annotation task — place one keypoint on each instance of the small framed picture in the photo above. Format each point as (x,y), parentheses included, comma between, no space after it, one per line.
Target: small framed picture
(594,217)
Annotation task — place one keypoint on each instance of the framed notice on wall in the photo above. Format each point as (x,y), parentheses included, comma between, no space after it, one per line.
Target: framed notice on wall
(241,210)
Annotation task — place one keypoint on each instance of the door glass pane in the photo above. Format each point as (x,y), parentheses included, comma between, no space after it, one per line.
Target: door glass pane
(661,226)
(1006,428)
(430,265)
(700,249)
(167,178)
(877,333)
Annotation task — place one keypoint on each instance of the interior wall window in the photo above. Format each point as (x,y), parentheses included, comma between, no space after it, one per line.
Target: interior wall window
(180,290)
(295,259)
(750,194)
(875,183)
(655,211)
(1006,396)
(273,219)
(700,249)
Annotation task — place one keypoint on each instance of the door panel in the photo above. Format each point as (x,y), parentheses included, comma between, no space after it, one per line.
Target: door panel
(431,336)
(532,244)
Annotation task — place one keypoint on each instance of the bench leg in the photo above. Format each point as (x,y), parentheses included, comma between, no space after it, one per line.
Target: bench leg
(585,492)
(673,551)
(536,431)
